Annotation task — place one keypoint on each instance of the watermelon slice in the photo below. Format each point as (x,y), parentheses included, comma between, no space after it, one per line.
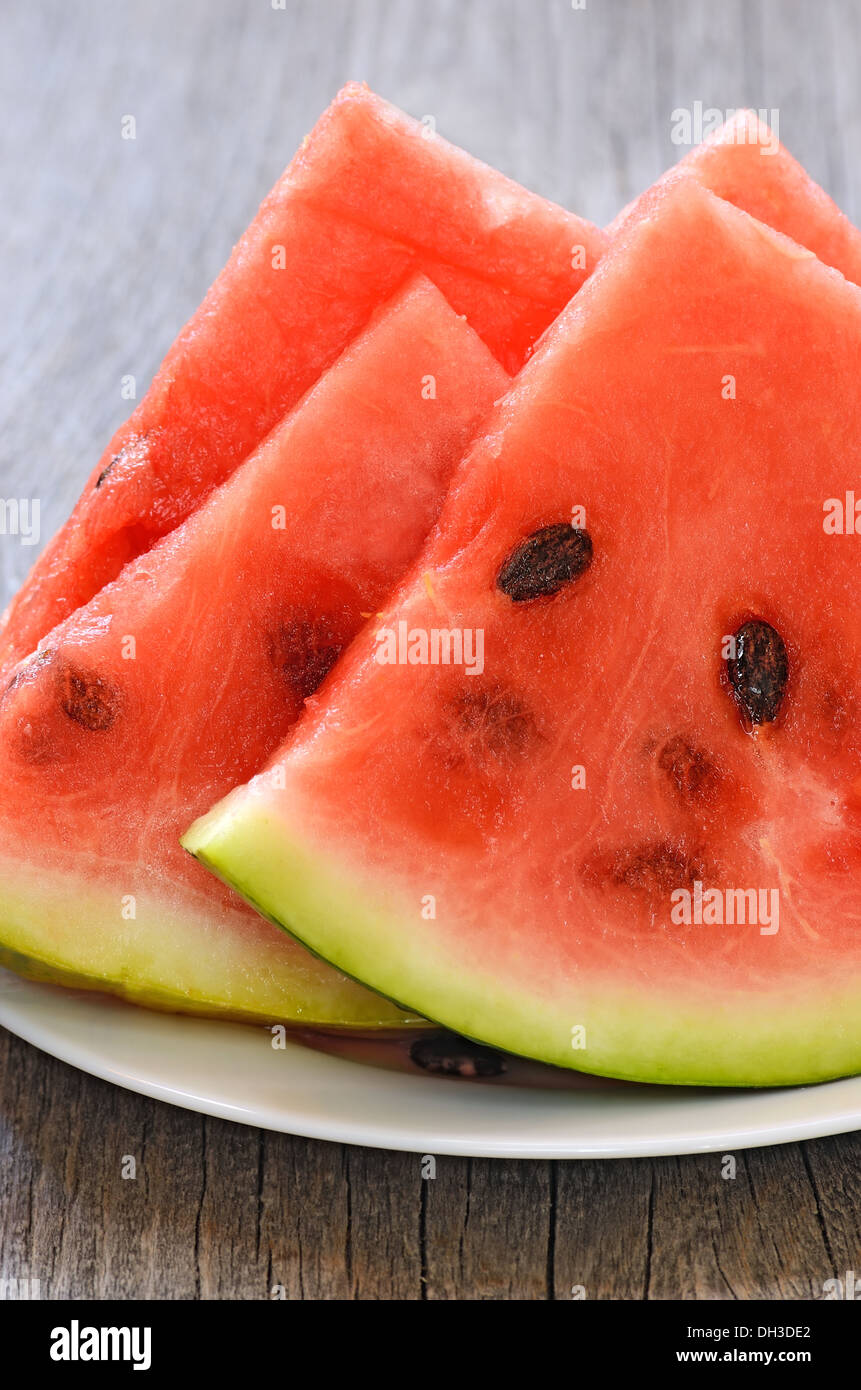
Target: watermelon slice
(744,163)
(180,678)
(368,200)
(630,844)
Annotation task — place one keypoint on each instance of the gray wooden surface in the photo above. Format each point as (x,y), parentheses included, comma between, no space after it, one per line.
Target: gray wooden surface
(106,246)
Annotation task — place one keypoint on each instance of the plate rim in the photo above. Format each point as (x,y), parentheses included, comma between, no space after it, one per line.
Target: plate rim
(822,1120)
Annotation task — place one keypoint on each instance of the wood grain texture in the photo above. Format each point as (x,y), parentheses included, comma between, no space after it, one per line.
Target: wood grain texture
(106,247)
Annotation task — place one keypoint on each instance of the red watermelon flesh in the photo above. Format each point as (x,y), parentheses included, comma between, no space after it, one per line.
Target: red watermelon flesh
(369,199)
(746,164)
(182,676)
(524,853)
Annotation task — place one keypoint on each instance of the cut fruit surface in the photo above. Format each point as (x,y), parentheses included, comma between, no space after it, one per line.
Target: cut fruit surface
(745,163)
(371,197)
(180,678)
(628,838)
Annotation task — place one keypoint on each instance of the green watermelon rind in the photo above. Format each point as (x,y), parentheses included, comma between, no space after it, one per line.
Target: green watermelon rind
(332,913)
(34,944)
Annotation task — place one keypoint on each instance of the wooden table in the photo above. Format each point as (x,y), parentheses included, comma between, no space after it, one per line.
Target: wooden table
(107,246)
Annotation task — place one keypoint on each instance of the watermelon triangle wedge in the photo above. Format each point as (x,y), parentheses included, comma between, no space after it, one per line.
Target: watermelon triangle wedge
(590,790)
(371,198)
(745,163)
(180,678)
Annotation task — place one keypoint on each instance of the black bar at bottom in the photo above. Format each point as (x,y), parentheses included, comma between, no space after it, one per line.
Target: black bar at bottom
(253,1339)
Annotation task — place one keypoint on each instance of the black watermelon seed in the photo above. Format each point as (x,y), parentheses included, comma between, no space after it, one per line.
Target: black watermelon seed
(88,700)
(447,1054)
(759,671)
(545,562)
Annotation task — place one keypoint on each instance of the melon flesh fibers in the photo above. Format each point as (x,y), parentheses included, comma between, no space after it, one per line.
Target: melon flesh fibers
(182,676)
(514,853)
(746,164)
(370,198)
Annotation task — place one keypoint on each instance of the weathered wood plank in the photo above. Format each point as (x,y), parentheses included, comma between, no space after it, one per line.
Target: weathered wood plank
(220,1211)
(487,1228)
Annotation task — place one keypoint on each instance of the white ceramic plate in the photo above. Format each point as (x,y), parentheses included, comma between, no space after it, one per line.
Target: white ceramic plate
(232,1070)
